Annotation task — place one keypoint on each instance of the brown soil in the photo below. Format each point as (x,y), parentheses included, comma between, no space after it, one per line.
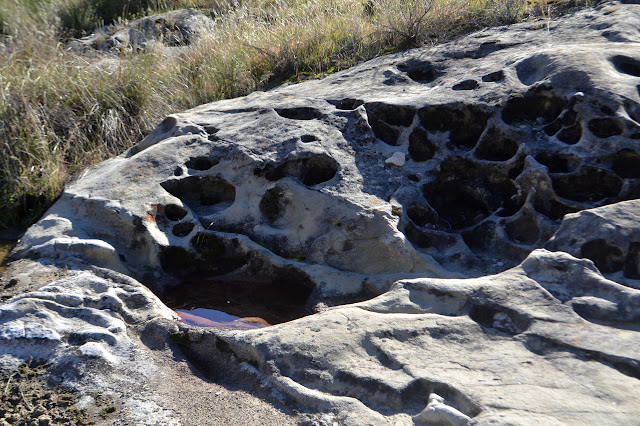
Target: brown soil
(27,400)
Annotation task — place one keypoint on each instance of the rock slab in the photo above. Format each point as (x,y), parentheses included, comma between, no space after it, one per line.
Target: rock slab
(462,220)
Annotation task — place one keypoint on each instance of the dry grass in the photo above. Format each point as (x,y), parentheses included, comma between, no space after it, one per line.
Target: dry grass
(61,111)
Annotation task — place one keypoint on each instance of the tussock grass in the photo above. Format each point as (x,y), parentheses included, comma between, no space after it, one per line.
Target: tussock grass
(62,110)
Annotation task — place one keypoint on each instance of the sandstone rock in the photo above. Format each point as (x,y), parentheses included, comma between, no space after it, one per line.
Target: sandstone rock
(437,297)
(609,236)
(173,28)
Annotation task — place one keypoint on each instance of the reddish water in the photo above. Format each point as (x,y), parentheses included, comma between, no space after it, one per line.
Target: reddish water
(211,318)
(210,303)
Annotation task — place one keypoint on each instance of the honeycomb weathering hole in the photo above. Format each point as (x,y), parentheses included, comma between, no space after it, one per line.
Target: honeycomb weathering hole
(493,77)
(313,170)
(588,184)
(466,85)
(606,257)
(310,170)
(422,215)
(204,195)
(265,302)
(464,193)
(273,203)
(420,147)
(300,113)
(183,229)
(458,205)
(626,65)
(201,163)
(532,108)
(174,212)
(466,123)
(557,162)
(347,104)
(496,147)
(384,118)
(626,164)
(209,278)
(605,127)
(419,70)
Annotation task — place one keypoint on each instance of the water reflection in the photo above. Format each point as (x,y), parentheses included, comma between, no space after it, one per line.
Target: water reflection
(202,317)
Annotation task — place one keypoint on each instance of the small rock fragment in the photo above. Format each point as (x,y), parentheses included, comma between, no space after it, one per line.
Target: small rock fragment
(437,412)
(397,159)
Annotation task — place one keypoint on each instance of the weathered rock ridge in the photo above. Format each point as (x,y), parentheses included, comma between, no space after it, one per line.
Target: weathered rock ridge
(464,220)
(175,28)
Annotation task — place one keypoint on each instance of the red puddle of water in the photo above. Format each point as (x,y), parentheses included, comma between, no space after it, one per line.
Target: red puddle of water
(253,303)
(211,318)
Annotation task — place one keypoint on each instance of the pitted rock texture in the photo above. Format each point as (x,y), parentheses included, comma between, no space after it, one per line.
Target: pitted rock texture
(437,180)
(549,129)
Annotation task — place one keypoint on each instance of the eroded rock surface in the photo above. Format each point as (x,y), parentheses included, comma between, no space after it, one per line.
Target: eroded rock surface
(174,29)
(476,200)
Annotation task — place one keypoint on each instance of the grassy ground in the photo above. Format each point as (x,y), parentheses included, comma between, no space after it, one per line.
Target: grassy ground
(61,110)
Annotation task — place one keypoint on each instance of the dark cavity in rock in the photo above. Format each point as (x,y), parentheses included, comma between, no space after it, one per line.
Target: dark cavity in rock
(201,163)
(183,229)
(272,301)
(174,212)
(300,113)
(311,170)
(493,77)
(570,135)
(523,230)
(420,147)
(494,146)
(201,280)
(626,65)
(532,108)
(346,104)
(204,195)
(632,263)
(626,164)
(419,70)
(466,85)
(553,209)
(557,162)
(464,122)
(385,118)
(465,193)
(273,203)
(606,257)
(587,184)
(422,215)
(605,127)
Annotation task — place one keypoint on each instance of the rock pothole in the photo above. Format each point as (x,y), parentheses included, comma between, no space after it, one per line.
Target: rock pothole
(486,190)
(218,274)
(201,163)
(310,169)
(536,107)
(301,113)
(419,70)
(254,301)
(626,65)
(204,195)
